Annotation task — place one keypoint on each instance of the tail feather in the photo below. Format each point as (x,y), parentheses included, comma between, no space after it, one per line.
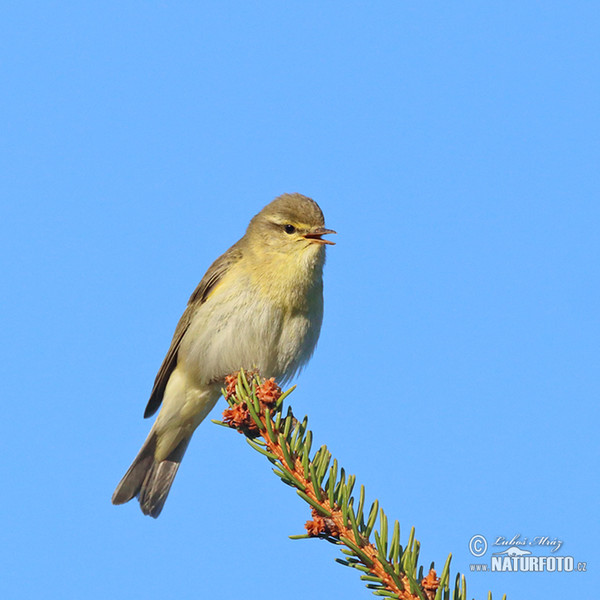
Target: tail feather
(148,479)
(157,483)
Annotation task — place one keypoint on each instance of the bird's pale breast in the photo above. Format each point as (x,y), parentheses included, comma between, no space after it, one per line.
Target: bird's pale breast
(241,327)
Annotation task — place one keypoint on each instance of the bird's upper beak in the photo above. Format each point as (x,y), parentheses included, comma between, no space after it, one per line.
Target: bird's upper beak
(314,235)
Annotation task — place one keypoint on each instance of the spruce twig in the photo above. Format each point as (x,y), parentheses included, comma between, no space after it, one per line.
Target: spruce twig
(387,568)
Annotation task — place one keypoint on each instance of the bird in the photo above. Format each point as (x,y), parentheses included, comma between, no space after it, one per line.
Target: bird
(258,307)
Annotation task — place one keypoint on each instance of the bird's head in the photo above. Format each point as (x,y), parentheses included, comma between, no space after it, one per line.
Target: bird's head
(292,224)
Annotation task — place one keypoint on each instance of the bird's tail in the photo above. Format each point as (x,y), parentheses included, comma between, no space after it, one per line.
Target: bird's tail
(148,479)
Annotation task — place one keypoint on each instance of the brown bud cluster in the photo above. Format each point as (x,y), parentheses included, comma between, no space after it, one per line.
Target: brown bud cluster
(230,383)
(268,393)
(321,525)
(430,584)
(239,417)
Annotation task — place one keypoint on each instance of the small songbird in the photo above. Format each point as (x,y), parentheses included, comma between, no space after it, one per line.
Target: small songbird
(259,306)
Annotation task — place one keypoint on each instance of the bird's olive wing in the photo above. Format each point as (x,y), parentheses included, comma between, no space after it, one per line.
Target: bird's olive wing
(214,274)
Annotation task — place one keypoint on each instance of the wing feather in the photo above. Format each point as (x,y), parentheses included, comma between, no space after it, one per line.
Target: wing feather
(214,274)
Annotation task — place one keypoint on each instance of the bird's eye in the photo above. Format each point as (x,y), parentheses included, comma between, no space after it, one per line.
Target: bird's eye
(289,229)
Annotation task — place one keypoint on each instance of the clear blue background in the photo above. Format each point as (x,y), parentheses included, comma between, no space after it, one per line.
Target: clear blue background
(455,148)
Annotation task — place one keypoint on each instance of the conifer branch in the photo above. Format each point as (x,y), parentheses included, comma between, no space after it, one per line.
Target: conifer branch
(389,569)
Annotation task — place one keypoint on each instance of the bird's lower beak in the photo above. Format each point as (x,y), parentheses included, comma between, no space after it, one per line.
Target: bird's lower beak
(315,236)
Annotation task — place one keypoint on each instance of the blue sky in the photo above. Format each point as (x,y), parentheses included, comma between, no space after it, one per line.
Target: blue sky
(453,146)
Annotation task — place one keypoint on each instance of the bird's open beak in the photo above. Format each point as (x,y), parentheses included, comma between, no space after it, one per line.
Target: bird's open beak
(315,236)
